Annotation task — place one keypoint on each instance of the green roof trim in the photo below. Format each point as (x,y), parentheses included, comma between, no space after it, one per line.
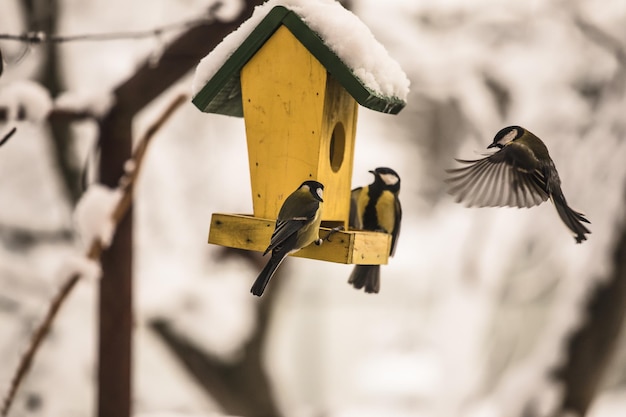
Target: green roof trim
(222,93)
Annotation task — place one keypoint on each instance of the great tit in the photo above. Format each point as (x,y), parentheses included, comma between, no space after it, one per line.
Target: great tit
(520,174)
(375,207)
(297,226)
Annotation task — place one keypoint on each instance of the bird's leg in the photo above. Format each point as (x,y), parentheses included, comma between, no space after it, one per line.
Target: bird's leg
(332,232)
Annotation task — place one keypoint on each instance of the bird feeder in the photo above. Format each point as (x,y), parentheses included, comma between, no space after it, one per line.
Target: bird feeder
(299,102)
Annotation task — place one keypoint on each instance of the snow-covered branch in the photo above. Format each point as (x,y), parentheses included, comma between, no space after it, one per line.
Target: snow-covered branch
(27,100)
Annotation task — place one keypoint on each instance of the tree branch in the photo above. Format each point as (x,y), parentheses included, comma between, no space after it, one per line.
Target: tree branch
(591,348)
(240,387)
(7,136)
(115,295)
(37,37)
(147,83)
(93,254)
(60,115)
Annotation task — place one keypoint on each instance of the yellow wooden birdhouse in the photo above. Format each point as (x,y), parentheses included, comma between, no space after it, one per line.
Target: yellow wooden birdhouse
(299,101)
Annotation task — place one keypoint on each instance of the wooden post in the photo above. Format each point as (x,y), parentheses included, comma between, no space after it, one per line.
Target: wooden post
(115,344)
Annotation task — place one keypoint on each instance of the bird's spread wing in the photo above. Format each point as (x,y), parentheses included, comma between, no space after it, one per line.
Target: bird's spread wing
(498,180)
(287,227)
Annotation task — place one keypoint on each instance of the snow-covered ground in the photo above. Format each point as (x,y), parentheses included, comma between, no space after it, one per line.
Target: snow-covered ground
(473,306)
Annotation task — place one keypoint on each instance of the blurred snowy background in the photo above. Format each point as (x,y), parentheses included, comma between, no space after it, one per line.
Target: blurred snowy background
(477,304)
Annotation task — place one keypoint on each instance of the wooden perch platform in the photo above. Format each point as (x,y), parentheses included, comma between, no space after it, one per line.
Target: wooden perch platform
(347,247)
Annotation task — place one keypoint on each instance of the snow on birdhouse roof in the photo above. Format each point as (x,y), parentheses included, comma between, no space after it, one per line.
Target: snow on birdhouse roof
(334,35)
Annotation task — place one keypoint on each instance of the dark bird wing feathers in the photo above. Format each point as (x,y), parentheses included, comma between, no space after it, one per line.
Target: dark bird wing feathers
(286,227)
(498,180)
(354,221)
(396,226)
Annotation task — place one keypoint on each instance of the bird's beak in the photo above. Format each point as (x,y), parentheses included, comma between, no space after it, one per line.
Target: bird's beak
(372,172)
(493,145)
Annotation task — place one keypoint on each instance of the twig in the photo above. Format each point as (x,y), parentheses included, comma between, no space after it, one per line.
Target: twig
(42,37)
(54,115)
(6,137)
(93,254)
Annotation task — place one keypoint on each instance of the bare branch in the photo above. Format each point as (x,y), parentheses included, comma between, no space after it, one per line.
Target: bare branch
(6,137)
(42,37)
(62,115)
(150,80)
(115,296)
(591,348)
(93,253)
(38,336)
(241,386)
(127,181)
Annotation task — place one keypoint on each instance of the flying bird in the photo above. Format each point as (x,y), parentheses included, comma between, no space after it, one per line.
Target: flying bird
(375,207)
(520,174)
(297,226)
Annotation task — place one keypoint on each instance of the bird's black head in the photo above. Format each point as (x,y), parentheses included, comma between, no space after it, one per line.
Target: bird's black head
(506,135)
(315,188)
(387,178)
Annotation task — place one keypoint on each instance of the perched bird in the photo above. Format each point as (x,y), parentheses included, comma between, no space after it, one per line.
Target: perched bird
(297,226)
(520,174)
(375,207)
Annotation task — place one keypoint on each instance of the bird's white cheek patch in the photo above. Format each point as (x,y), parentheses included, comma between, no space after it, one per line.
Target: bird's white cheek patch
(508,137)
(389,179)
(320,193)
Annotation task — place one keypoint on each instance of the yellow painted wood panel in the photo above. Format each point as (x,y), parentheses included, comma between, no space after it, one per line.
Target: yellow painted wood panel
(340,115)
(291,107)
(347,247)
(283,95)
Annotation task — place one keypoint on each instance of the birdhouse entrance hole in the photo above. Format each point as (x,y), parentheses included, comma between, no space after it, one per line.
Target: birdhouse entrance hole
(337,146)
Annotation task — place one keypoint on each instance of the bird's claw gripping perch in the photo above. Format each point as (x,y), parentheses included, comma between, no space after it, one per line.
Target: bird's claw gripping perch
(332,232)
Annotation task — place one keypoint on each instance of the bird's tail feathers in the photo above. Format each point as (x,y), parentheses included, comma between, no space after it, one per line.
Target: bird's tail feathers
(572,219)
(367,277)
(266,274)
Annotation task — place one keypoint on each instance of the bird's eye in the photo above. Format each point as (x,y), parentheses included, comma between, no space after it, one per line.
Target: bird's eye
(320,192)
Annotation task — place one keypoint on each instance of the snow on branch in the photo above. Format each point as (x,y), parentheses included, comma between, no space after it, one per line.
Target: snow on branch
(98,224)
(94,214)
(27,100)
(92,104)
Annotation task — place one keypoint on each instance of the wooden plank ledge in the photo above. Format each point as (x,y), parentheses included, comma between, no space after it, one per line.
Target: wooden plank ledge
(347,247)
